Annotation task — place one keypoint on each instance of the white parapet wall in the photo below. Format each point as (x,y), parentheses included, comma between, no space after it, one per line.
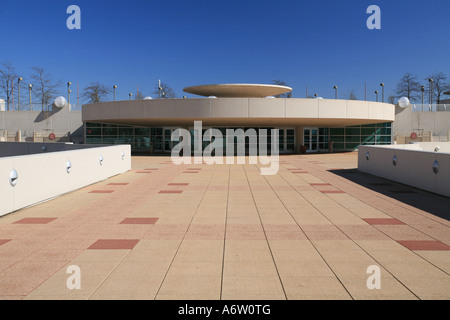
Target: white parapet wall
(417,165)
(46,175)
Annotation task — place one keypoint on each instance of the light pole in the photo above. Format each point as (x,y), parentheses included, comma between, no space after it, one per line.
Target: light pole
(114,88)
(382,90)
(376,92)
(431,90)
(18,93)
(30,87)
(130,94)
(335,94)
(422,88)
(68,92)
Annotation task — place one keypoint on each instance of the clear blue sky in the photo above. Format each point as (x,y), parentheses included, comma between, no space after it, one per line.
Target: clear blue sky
(188,42)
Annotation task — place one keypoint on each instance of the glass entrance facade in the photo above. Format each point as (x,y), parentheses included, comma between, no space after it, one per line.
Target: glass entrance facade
(316,139)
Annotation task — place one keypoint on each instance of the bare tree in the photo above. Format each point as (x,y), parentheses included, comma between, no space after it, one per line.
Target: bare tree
(164,91)
(44,88)
(391,99)
(439,86)
(352,95)
(96,92)
(7,76)
(408,86)
(284,84)
(139,95)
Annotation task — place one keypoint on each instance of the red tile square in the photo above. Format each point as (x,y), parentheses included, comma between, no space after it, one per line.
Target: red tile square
(178,184)
(35,220)
(383,221)
(3,241)
(139,221)
(171,191)
(424,245)
(194,169)
(114,244)
(117,184)
(102,191)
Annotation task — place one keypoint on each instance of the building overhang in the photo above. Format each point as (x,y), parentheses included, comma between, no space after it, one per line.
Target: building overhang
(240,112)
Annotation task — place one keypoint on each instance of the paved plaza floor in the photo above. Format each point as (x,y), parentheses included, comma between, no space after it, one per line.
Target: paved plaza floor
(318,229)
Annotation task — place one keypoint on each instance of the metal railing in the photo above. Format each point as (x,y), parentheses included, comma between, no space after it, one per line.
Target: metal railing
(430,107)
(34,107)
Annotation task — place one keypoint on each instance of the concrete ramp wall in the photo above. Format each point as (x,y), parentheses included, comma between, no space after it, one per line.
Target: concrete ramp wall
(44,176)
(417,165)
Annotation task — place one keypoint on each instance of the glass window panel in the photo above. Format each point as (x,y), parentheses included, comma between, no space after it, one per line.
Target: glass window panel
(353,131)
(337,131)
(125,131)
(142,131)
(94,131)
(93,125)
(93,140)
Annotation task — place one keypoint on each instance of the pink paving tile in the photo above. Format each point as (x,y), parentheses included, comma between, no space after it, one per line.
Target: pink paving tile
(139,221)
(143,172)
(151,169)
(178,184)
(190,171)
(35,221)
(383,221)
(102,191)
(424,245)
(117,184)
(193,169)
(242,235)
(299,171)
(114,244)
(323,232)
(332,191)
(320,184)
(363,232)
(285,235)
(170,191)
(3,241)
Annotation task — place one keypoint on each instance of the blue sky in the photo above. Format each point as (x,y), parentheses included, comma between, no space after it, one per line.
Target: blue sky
(315,43)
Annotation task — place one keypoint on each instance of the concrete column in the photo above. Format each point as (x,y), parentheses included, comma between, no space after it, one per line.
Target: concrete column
(299,138)
(19,136)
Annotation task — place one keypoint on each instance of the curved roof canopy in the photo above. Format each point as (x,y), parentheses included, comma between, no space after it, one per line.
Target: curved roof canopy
(238,90)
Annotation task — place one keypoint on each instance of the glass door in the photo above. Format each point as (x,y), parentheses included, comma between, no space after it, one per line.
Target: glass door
(311,139)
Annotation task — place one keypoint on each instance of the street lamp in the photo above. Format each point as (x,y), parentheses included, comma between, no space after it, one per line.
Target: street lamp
(335,94)
(431,90)
(18,93)
(30,87)
(130,94)
(68,91)
(422,88)
(114,88)
(316,95)
(382,95)
(376,92)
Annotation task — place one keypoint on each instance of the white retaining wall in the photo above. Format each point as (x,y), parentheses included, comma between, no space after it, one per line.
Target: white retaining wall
(44,176)
(414,165)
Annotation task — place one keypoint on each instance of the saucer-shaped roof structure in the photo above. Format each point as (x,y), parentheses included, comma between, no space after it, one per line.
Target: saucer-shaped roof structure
(238,90)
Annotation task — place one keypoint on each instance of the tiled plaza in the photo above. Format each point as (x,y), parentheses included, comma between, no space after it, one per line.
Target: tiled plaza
(162,231)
